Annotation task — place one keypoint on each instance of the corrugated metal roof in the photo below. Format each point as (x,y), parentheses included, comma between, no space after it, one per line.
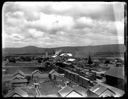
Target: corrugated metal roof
(65,91)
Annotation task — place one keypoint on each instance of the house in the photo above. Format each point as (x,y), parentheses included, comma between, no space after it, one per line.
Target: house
(37,75)
(18,79)
(17,92)
(115,77)
(52,74)
(55,74)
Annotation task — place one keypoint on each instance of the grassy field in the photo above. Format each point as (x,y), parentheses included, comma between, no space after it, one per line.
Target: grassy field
(26,70)
(48,88)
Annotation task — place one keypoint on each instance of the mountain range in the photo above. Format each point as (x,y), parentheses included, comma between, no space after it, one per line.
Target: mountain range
(79,51)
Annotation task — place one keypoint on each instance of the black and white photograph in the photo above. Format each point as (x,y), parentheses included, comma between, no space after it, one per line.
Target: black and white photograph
(63,49)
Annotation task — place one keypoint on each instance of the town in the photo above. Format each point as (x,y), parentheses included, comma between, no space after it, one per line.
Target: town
(60,74)
(64,49)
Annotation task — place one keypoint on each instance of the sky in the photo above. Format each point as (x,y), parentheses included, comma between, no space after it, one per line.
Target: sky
(56,24)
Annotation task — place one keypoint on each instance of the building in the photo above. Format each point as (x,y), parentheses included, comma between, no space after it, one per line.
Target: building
(74,94)
(55,74)
(115,77)
(17,92)
(37,75)
(19,82)
(65,91)
(81,80)
(101,91)
(18,79)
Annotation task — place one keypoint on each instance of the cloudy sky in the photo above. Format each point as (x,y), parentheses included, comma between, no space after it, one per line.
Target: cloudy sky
(55,24)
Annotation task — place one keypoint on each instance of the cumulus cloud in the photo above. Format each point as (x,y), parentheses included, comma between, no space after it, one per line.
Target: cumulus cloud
(54,24)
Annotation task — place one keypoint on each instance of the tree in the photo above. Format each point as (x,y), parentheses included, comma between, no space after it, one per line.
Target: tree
(12,59)
(106,62)
(28,58)
(89,60)
(39,60)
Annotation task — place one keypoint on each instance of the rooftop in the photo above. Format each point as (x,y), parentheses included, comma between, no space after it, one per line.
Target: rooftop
(74,94)
(65,91)
(19,81)
(18,91)
(19,72)
(98,89)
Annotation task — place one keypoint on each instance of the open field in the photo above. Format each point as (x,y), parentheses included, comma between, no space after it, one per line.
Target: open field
(23,64)
(26,70)
(48,88)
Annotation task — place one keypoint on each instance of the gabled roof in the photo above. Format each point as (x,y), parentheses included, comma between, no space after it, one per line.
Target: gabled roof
(65,91)
(74,94)
(107,93)
(18,76)
(19,72)
(16,95)
(39,74)
(35,72)
(91,94)
(117,72)
(17,91)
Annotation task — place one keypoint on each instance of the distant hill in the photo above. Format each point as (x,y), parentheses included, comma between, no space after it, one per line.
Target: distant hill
(79,51)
